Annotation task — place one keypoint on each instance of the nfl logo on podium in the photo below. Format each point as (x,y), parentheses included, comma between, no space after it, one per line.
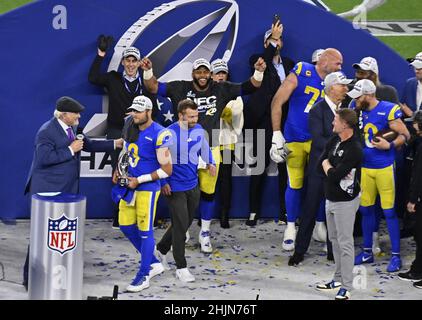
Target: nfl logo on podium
(62,234)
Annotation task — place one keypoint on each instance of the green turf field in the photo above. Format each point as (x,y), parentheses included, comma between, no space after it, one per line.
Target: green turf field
(406,46)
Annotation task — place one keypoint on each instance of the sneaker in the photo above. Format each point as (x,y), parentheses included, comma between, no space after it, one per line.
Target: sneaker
(139,283)
(320,232)
(330,286)
(364,257)
(418,284)
(410,276)
(343,294)
(205,241)
(376,249)
(289,238)
(115,224)
(395,264)
(156,269)
(162,258)
(295,259)
(184,275)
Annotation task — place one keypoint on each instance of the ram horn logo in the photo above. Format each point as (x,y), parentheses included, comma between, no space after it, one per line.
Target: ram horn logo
(227,17)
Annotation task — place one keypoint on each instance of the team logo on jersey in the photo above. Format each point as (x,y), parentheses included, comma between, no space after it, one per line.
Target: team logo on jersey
(190,94)
(308,73)
(62,234)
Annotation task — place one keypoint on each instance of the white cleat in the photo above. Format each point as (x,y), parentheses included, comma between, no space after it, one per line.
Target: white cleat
(320,232)
(184,275)
(162,258)
(205,241)
(289,237)
(376,249)
(156,269)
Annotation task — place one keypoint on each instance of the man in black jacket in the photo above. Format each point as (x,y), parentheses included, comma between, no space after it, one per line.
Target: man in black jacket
(320,120)
(121,88)
(341,162)
(414,206)
(257,114)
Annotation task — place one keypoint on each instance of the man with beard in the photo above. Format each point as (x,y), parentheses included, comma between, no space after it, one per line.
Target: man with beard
(320,119)
(258,118)
(378,167)
(211,98)
(149,161)
(304,87)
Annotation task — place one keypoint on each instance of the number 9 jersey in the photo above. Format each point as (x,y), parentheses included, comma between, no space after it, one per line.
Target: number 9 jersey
(309,90)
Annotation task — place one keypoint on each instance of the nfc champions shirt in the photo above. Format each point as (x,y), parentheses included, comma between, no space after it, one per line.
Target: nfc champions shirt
(211,102)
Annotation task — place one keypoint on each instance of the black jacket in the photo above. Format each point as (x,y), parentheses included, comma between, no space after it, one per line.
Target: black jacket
(257,111)
(415,190)
(342,182)
(120,92)
(321,127)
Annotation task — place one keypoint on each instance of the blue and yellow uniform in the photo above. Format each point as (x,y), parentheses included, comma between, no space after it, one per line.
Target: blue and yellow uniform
(378,174)
(136,217)
(309,90)
(377,167)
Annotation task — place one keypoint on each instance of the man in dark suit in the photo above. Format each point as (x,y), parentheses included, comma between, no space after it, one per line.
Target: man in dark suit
(56,162)
(257,114)
(320,119)
(412,94)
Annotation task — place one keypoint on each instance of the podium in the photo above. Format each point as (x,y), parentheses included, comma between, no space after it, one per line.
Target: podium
(56,246)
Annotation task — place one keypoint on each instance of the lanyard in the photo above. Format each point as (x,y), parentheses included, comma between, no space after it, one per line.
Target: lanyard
(137,86)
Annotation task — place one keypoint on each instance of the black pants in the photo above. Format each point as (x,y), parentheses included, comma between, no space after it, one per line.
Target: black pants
(314,196)
(225,179)
(256,186)
(114,133)
(182,206)
(417,231)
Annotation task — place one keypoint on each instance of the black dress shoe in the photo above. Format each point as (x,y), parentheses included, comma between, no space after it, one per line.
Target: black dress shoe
(410,276)
(115,224)
(224,219)
(251,222)
(418,284)
(406,233)
(295,259)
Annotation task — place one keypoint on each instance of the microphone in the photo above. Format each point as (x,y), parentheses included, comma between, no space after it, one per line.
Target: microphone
(79,134)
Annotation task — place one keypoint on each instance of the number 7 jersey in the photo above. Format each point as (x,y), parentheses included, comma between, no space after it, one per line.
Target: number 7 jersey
(309,90)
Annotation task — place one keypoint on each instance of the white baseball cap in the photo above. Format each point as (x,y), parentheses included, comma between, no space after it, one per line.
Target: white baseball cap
(417,61)
(219,65)
(201,62)
(131,51)
(316,54)
(336,78)
(140,104)
(367,64)
(361,88)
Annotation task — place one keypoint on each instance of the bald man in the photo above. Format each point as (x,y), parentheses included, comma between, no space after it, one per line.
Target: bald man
(304,87)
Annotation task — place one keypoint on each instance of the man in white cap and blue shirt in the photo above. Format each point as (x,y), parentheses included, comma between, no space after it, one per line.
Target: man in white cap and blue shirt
(412,93)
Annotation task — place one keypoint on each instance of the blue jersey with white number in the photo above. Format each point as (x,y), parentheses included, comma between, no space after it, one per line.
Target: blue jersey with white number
(309,91)
(374,121)
(143,154)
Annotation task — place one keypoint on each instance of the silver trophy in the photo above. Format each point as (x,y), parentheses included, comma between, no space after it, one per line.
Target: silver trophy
(122,169)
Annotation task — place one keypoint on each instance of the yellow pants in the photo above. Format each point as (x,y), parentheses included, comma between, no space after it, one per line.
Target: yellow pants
(207,182)
(142,213)
(296,162)
(374,181)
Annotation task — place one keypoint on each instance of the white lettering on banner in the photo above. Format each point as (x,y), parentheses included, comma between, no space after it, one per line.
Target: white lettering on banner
(59,281)
(60,20)
(391,28)
(95,165)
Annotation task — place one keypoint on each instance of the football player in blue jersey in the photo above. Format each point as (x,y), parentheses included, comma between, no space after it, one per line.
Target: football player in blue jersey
(149,161)
(304,87)
(378,166)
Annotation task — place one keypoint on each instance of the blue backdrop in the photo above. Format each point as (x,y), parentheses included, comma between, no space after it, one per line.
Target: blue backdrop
(41,63)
